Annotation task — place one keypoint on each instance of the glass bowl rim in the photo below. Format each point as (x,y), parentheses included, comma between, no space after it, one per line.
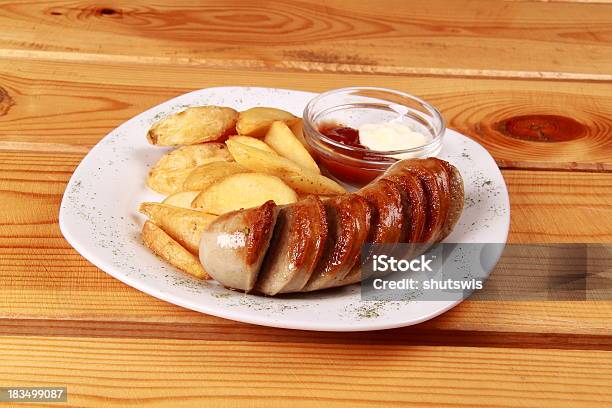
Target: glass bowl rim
(433,111)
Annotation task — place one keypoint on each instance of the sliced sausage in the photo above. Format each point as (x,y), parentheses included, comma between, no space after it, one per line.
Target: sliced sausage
(296,247)
(233,246)
(414,203)
(348,222)
(457,198)
(317,244)
(435,183)
(387,211)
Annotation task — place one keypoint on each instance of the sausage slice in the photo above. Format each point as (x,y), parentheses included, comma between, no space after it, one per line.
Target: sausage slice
(348,221)
(387,211)
(296,247)
(233,246)
(457,198)
(435,184)
(414,203)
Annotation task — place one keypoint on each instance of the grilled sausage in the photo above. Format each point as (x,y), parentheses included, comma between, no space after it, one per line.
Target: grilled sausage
(317,245)
(414,203)
(296,247)
(348,223)
(435,184)
(387,212)
(457,195)
(236,243)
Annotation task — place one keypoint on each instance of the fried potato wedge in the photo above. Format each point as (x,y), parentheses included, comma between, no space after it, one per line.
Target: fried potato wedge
(198,124)
(183,225)
(171,251)
(191,156)
(298,130)
(301,180)
(168,181)
(203,176)
(181,199)
(243,191)
(170,172)
(253,142)
(283,141)
(256,121)
(312,183)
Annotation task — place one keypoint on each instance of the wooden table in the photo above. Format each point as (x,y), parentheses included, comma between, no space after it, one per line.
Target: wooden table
(70,71)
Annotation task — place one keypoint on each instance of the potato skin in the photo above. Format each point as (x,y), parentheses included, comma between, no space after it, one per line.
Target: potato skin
(253,142)
(298,130)
(183,225)
(171,171)
(197,124)
(203,176)
(192,156)
(285,143)
(256,121)
(171,251)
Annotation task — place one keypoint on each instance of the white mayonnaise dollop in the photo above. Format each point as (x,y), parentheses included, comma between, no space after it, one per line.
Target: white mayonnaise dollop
(391,136)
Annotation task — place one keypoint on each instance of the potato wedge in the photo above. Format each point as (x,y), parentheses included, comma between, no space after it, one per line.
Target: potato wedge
(253,142)
(203,176)
(297,128)
(301,180)
(171,171)
(171,251)
(168,181)
(243,191)
(184,226)
(313,184)
(191,156)
(198,124)
(283,141)
(256,121)
(182,199)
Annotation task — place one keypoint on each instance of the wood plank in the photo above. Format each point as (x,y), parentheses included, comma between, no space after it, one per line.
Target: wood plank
(119,372)
(577,206)
(71,103)
(223,330)
(437,37)
(44,278)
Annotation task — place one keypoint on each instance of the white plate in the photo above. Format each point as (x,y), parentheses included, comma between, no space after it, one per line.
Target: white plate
(98,217)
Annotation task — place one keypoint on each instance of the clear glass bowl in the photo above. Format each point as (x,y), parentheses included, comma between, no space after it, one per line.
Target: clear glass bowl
(356,106)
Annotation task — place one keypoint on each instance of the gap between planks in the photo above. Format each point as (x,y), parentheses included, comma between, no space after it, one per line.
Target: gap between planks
(414,335)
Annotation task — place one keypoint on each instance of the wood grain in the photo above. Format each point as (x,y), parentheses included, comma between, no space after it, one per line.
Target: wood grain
(66,103)
(44,278)
(211,330)
(530,80)
(436,37)
(120,372)
(578,210)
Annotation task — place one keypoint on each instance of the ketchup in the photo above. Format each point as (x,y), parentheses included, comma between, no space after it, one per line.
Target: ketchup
(346,170)
(343,134)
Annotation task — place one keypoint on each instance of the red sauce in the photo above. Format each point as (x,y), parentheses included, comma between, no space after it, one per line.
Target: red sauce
(347,170)
(343,134)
